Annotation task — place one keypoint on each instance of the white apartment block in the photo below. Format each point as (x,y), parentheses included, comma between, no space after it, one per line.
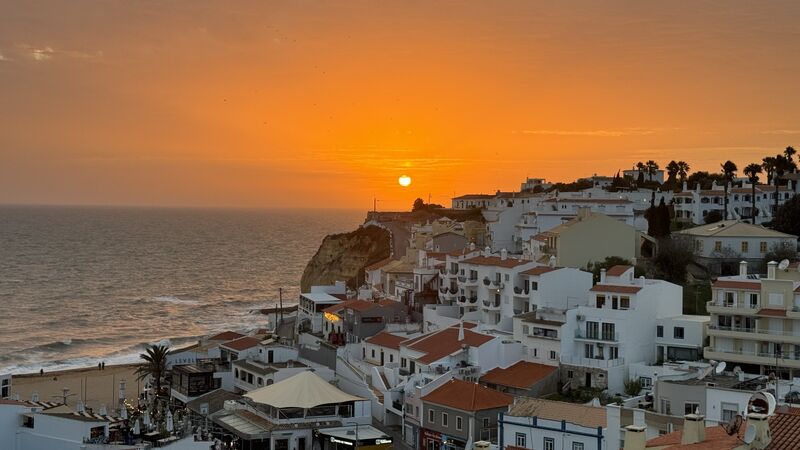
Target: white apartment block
(693,206)
(755,320)
(617,327)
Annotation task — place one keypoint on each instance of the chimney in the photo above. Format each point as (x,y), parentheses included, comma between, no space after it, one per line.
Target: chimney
(471,246)
(743,268)
(487,251)
(635,437)
(461,331)
(771,266)
(552,262)
(602,276)
(694,429)
(641,280)
(685,186)
(503,254)
(761,423)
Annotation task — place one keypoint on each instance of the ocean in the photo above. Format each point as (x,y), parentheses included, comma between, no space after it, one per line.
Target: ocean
(79,285)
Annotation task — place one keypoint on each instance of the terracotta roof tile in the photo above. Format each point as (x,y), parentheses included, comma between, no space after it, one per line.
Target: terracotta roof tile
(521,375)
(507,263)
(733,284)
(466,396)
(242,343)
(441,343)
(772,312)
(618,270)
(385,339)
(226,336)
(716,439)
(588,416)
(540,270)
(612,288)
(785,431)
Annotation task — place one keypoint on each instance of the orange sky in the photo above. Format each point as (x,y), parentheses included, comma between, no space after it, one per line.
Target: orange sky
(325,104)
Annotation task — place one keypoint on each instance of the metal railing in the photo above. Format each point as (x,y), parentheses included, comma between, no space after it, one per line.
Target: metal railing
(599,336)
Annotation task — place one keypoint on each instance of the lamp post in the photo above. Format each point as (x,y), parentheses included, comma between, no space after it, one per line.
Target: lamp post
(356,424)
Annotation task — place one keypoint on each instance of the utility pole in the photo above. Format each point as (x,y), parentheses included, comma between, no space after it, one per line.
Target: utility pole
(280,301)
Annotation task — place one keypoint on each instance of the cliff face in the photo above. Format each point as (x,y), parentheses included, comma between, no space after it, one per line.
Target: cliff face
(342,257)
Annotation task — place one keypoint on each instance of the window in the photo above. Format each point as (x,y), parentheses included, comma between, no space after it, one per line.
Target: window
(485,422)
(534,285)
(763,247)
(660,331)
(677,333)
(588,350)
(625,303)
(744,246)
(698,245)
(553,355)
(373,352)
(646,382)
(753,300)
(459,423)
(444,419)
(402,362)
(577,446)
(691,408)
(525,330)
(549,444)
(665,407)
(729,411)
(717,246)
(569,374)
(519,438)
(535,352)
(431,417)
(600,301)
(507,277)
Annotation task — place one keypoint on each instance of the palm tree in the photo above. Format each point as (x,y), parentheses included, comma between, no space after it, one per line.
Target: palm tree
(729,170)
(683,170)
(752,170)
(651,168)
(789,153)
(672,172)
(155,365)
(782,165)
(768,164)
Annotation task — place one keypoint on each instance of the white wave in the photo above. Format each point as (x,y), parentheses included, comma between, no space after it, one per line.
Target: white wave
(174,300)
(67,341)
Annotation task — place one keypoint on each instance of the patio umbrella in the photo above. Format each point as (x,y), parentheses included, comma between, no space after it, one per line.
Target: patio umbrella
(170,424)
(137,429)
(146,420)
(123,413)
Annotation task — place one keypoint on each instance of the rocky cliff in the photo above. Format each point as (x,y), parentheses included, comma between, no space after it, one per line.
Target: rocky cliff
(342,257)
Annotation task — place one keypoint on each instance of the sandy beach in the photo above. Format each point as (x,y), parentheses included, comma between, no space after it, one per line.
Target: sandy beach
(95,387)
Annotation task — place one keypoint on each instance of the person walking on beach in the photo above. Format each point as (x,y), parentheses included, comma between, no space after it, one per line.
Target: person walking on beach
(41,372)
(99,366)
(104,365)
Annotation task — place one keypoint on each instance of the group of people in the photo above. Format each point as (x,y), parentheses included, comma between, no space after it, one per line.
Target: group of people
(101,365)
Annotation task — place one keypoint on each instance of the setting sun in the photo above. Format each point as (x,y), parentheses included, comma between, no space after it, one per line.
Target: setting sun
(404,180)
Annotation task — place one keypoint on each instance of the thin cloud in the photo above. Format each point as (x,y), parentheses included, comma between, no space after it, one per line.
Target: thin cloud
(47,53)
(3,58)
(594,133)
(781,132)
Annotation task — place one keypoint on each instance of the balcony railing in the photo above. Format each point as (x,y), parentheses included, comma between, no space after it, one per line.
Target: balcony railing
(592,362)
(498,284)
(795,356)
(491,304)
(473,299)
(462,278)
(521,291)
(754,330)
(608,336)
(487,281)
(739,305)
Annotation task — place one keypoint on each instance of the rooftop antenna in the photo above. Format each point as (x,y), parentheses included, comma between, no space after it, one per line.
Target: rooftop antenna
(783,265)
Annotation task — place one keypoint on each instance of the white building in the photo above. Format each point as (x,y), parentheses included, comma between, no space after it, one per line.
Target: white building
(694,205)
(598,339)
(534,423)
(658,176)
(311,305)
(721,246)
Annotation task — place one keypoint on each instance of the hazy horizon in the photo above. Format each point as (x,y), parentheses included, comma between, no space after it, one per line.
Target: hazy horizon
(325,104)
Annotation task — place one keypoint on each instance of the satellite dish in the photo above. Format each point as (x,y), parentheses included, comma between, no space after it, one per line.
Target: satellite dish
(784,264)
(750,434)
(720,368)
(704,372)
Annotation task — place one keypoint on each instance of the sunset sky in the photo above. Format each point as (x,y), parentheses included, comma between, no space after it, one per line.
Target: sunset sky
(326,104)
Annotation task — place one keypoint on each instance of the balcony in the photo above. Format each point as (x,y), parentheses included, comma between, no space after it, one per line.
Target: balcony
(467,282)
(791,360)
(602,337)
(487,304)
(754,334)
(462,279)
(487,281)
(739,308)
(498,284)
(597,363)
(793,312)
(521,291)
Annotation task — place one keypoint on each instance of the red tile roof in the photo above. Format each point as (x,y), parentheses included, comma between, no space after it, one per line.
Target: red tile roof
(377,265)
(466,396)
(354,304)
(539,270)
(242,343)
(716,439)
(388,340)
(772,312)
(785,431)
(611,288)
(439,344)
(733,284)
(521,375)
(226,336)
(618,270)
(495,261)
